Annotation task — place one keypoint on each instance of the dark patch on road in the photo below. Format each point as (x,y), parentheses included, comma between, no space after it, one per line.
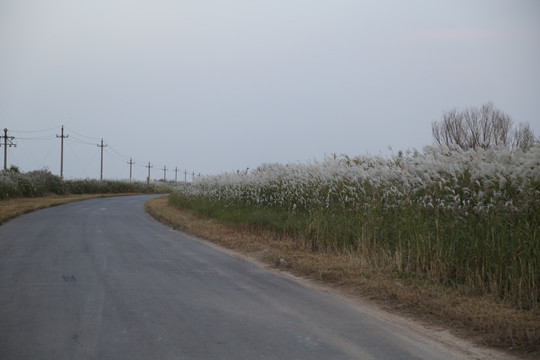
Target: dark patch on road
(69,279)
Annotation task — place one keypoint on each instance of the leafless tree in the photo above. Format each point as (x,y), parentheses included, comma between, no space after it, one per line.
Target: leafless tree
(484,127)
(523,137)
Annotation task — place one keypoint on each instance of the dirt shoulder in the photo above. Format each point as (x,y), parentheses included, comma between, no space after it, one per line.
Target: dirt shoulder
(477,327)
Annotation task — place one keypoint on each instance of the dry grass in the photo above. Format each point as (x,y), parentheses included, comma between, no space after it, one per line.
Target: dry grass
(12,208)
(485,320)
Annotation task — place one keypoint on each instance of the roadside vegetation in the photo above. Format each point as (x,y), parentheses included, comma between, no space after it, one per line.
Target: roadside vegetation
(466,220)
(16,184)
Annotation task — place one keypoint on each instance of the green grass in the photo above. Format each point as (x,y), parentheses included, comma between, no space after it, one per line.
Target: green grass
(496,254)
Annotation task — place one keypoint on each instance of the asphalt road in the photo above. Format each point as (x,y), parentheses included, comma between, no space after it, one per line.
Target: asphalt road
(101,279)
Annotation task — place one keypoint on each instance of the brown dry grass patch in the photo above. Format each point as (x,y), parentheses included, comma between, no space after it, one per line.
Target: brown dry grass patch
(484,320)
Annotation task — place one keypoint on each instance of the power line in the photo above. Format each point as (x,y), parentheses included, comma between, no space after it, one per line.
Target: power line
(84,167)
(123,157)
(84,136)
(80,141)
(116,157)
(116,166)
(119,153)
(35,131)
(51,149)
(112,154)
(38,138)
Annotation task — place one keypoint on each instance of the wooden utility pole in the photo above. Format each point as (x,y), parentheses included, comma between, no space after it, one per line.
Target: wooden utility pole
(62,137)
(185,175)
(101,146)
(8,141)
(176,174)
(149,167)
(164,173)
(130,168)
(148,178)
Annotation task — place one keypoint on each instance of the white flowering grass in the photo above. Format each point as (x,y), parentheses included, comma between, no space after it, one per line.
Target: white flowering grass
(459,217)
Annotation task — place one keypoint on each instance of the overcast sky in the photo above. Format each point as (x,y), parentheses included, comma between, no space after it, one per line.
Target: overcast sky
(210,86)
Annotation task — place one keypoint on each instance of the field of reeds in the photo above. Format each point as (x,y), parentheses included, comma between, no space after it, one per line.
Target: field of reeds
(16,184)
(466,219)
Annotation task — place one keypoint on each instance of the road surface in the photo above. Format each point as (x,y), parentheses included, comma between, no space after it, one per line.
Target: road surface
(101,279)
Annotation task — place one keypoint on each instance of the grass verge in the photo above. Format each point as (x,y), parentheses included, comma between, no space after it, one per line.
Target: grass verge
(484,319)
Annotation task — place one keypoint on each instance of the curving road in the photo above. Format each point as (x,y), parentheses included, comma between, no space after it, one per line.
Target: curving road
(101,279)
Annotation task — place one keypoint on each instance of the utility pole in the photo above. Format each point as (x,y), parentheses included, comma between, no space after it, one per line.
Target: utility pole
(62,137)
(130,168)
(101,146)
(164,173)
(148,178)
(185,175)
(176,174)
(149,167)
(8,141)
(193,176)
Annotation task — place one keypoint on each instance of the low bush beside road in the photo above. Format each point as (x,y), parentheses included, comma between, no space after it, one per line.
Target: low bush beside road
(16,184)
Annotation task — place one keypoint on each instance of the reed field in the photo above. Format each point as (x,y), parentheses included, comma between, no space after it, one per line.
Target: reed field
(466,219)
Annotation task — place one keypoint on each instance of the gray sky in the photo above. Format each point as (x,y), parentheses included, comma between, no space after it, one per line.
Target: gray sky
(212,86)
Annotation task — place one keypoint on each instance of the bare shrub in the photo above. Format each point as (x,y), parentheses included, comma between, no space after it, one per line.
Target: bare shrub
(481,128)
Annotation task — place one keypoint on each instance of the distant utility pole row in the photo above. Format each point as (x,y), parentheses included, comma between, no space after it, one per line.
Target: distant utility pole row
(7,141)
(165,173)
